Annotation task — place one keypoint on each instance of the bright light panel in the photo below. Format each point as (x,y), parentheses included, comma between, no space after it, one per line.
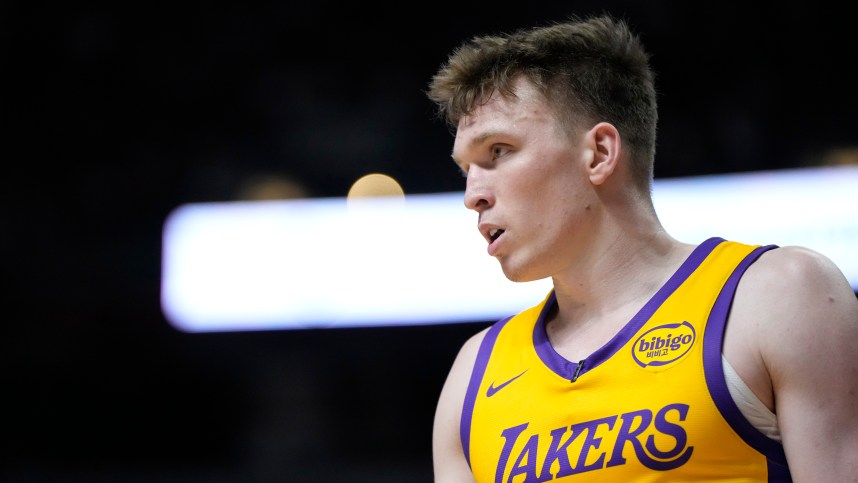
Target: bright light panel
(333,262)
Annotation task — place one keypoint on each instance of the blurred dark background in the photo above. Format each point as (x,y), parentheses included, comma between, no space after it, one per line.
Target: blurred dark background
(115,113)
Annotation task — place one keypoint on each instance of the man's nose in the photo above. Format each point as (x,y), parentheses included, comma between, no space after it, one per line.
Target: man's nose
(478,195)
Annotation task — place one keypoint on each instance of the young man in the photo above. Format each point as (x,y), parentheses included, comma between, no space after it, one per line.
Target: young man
(651,359)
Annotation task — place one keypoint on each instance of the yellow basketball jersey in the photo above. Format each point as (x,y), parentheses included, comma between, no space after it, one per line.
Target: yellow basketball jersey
(652,405)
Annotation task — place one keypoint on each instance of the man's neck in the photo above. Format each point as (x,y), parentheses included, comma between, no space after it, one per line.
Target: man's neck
(599,295)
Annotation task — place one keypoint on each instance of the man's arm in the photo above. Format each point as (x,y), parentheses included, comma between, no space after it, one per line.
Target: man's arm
(448,457)
(805,319)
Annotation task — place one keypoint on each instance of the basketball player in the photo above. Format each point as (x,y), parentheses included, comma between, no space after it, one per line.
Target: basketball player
(650,359)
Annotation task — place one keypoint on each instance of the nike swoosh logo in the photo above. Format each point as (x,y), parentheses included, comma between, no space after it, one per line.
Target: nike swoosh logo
(493,389)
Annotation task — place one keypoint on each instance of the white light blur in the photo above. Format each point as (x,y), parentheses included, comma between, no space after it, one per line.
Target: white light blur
(307,263)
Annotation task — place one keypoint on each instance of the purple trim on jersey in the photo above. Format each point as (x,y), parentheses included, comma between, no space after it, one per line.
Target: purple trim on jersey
(566,369)
(477,374)
(557,363)
(713,339)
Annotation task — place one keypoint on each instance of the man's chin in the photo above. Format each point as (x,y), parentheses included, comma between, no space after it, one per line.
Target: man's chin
(518,274)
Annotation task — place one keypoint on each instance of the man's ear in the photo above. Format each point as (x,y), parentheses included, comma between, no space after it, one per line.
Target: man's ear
(603,139)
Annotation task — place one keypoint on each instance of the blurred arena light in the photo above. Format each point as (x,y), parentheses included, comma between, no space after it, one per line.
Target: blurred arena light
(418,259)
(375,184)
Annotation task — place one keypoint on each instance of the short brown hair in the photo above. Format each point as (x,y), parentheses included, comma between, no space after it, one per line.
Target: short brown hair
(594,67)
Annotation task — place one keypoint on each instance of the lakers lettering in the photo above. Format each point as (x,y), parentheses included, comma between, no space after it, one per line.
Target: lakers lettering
(657,441)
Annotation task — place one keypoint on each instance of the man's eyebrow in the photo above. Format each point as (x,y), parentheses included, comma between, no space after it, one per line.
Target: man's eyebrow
(480,139)
(476,142)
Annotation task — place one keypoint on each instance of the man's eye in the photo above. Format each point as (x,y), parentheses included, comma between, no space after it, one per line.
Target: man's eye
(498,151)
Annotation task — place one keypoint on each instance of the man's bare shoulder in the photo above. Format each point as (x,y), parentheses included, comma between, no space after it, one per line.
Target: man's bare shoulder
(453,392)
(792,274)
(468,352)
(787,296)
(782,300)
